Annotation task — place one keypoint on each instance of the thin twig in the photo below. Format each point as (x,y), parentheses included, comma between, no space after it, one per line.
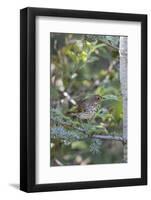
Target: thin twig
(110,137)
(98,136)
(112,64)
(58,162)
(110,45)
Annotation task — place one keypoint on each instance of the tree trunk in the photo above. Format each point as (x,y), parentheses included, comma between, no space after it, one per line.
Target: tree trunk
(123,80)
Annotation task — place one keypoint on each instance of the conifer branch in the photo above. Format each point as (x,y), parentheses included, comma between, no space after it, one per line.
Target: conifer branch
(111,137)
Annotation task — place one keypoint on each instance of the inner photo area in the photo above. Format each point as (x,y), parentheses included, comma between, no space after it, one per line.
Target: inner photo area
(88,99)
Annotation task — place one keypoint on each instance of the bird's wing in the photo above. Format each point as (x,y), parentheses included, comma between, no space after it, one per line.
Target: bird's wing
(81,106)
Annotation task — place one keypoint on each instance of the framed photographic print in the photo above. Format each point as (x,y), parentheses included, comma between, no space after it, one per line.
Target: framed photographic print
(83,98)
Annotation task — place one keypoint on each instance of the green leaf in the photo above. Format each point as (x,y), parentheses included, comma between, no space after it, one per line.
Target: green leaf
(79,145)
(110,97)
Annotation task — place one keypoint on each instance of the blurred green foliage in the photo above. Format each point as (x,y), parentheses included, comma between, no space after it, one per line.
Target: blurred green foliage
(82,66)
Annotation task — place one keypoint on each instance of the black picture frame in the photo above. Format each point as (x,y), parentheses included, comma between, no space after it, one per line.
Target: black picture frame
(28,98)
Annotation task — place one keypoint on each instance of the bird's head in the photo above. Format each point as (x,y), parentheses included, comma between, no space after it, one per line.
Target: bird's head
(96,99)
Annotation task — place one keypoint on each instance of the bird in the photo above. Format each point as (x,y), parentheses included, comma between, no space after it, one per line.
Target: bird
(87,108)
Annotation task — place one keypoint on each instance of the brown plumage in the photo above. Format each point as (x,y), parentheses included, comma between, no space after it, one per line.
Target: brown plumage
(87,108)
